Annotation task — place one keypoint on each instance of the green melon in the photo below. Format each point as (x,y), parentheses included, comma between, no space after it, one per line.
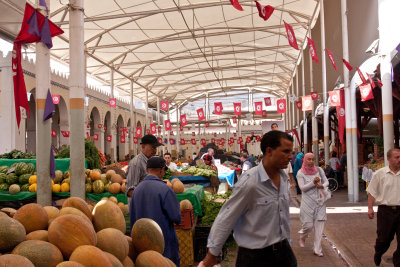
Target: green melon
(20,168)
(59,177)
(30,168)
(14,189)
(4,187)
(3,177)
(25,187)
(12,178)
(88,188)
(98,187)
(24,178)
(4,169)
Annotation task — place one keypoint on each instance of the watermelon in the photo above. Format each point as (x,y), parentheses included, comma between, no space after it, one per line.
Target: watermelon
(4,169)
(24,178)
(98,187)
(107,187)
(88,188)
(20,168)
(3,177)
(12,178)
(4,187)
(25,187)
(30,168)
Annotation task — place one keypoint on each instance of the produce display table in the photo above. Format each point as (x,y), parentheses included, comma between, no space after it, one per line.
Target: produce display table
(194,194)
(200,180)
(61,164)
(5,196)
(228,175)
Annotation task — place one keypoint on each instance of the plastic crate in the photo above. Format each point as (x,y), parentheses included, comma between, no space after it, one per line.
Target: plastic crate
(186,254)
(187,219)
(200,244)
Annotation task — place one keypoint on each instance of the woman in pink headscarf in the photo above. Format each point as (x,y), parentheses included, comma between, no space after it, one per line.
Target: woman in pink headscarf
(311,181)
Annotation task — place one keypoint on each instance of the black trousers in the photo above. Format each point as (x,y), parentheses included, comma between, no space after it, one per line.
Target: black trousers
(388,224)
(277,255)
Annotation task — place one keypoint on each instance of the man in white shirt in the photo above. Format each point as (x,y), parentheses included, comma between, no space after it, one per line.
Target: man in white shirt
(210,152)
(172,166)
(384,190)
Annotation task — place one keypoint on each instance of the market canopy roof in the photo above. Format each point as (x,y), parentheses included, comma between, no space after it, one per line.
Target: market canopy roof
(181,49)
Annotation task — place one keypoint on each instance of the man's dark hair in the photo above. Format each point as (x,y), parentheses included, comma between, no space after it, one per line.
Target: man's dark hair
(272,139)
(334,154)
(166,154)
(274,124)
(390,152)
(244,150)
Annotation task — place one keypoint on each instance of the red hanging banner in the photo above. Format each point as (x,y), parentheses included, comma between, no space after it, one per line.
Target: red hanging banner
(122,139)
(56,99)
(281,106)
(207,124)
(218,108)
(299,104)
(99,126)
(347,64)
(105,127)
(109,138)
(258,108)
(65,133)
(193,141)
(267,101)
(135,140)
(237,107)
(235,4)
(193,134)
(290,35)
(331,58)
(159,129)
(180,128)
(213,140)
(361,75)
(153,128)
(183,142)
(234,134)
(340,110)
(264,12)
(335,98)
(171,141)
(159,140)
(164,105)
(138,131)
(200,114)
(240,139)
(258,138)
(294,131)
(313,52)
(112,102)
(53,133)
(264,113)
(314,95)
(307,102)
(366,92)
(183,120)
(234,119)
(167,125)
(248,139)
(203,141)
(95,137)
(147,131)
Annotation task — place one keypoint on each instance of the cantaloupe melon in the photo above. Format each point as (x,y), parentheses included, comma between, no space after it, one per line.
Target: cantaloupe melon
(40,253)
(115,188)
(9,211)
(171,264)
(113,241)
(115,262)
(174,180)
(116,178)
(178,187)
(78,203)
(9,260)
(109,174)
(128,262)
(95,175)
(90,256)
(70,264)
(33,217)
(70,231)
(151,258)
(132,252)
(185,205)
(52,212)
(107,214)
(38,235)
(147,235)
(12,232)
(123,186)
(70,210)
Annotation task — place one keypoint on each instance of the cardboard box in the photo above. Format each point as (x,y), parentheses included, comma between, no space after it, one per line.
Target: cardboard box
(186,253)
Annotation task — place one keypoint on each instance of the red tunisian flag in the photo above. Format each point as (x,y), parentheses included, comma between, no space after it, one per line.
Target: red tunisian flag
(314,95)
(35,28)
(56,99)
(95,137)
(207,124)
(122,139)
(109,138)
(281,106)
(341,115)
(200,114)
(335,98)
(366,92)
(167,125)
(290,35)
(138,131)
(112,102)
(361,75)
(299,104)
(258,108)
(264,113)
(234,119)
(183,141)
(313,52)
(267,101)
(153,128)
(237,107)
(164,105)
(307,102)
(347,64)
(183,120)
(203,141)
(235,4)
(218,108)
(193,141)
(264,12)
(331,58)
(135,140)
(294,131)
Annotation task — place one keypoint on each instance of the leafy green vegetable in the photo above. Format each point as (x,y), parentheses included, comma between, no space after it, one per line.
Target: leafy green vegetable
(91,155)
(17,154)
(210,208)
(168,174)
(198,171)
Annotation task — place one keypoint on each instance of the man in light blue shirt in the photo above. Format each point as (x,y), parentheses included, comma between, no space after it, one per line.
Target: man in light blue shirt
(258,211)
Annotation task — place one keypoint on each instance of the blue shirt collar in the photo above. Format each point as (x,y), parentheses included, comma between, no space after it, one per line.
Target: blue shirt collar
(264,175)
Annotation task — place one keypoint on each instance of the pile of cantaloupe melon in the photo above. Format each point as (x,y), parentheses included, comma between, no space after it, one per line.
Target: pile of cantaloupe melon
(78,235)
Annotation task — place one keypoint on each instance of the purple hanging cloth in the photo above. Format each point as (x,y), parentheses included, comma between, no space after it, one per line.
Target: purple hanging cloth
(49,108)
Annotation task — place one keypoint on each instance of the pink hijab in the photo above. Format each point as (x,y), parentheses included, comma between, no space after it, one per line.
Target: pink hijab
(306,169)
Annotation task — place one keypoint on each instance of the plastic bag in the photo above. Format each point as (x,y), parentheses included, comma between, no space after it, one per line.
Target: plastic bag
(323,195)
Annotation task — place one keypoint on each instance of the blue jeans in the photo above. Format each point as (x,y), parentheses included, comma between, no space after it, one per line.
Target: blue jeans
(277,255)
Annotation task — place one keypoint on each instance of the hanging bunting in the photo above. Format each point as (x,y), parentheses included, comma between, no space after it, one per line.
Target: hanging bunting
(109,138)
(347,64)
(281,106)
(172,141)
(193,141)
(267,101)
(306,103)
(366,92)
(65,133)
(183,120)
(218,108)
(122,139)
(258,108)
(258,138)
(153,128)
(237,107)
(112,102)
(183,141)
(264,12)
(207,124)
(313,52)
(95,137)
(299,104)
(340,110)
(159,129)
(167,125)
(56,99)
(53,133)
(314,95)
(99,126)
(135,140)
(234,119)
(331,58)
(164,105)
(248,139)
(200,114)
(291,37)
(335,98)
(361,75)
(235,4)
(203,141)
(171,133)
(139,131)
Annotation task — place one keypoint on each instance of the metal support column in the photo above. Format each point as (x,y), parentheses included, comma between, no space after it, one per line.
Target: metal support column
(305,130)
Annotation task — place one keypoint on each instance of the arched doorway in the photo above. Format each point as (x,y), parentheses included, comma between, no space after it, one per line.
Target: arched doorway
(94,127)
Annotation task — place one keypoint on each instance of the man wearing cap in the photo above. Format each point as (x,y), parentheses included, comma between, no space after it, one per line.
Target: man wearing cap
(154,199)
(137,166)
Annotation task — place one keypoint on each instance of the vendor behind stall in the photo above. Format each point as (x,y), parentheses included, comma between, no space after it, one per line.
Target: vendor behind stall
(214,181)
(168,160)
